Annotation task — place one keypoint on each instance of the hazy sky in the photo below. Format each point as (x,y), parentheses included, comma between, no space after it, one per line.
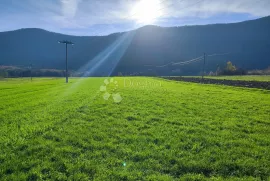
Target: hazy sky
(102,17)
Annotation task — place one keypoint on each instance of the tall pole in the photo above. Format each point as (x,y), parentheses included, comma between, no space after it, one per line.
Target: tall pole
(67,43)
(31,71)
(66,65)
(203,66)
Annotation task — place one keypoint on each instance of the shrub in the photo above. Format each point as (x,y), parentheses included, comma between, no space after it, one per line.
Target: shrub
(230,69)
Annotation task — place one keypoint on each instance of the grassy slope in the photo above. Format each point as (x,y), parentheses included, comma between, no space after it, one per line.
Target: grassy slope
(265,78)
(164,131)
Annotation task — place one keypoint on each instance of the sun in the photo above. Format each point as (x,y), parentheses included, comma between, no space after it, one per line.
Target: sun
(146,11)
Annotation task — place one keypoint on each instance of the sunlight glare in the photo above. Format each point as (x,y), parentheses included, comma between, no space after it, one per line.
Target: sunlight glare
(147,11)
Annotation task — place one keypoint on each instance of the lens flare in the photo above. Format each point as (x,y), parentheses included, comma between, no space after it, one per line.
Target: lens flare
(147,11)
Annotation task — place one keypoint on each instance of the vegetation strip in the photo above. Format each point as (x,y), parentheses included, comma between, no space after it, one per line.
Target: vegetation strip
(238,83)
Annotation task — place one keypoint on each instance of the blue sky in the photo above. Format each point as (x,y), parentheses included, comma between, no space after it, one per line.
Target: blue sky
(102,17)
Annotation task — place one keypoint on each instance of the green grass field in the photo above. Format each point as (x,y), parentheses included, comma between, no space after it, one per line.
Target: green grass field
(264,78)
(161,130)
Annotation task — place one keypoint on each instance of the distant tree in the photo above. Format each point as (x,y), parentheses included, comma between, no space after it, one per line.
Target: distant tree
(230,67)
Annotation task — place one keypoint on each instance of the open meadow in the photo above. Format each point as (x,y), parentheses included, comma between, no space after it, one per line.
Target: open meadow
(132,128)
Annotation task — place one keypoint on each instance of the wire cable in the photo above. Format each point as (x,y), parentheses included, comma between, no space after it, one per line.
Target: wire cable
(189,61)
(213,55)
(178,63)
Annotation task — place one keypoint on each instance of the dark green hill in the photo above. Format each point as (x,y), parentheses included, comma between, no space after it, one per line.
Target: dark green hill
(248,45)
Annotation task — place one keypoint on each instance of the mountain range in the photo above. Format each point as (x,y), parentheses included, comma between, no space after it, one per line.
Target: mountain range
(147,50)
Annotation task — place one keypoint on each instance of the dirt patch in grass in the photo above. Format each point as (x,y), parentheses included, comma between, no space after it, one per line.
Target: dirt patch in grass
(238,83)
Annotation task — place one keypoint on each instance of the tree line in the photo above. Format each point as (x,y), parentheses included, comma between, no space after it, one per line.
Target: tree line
(14,72)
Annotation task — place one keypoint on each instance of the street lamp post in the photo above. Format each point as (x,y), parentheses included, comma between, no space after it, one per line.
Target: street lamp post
(67,43)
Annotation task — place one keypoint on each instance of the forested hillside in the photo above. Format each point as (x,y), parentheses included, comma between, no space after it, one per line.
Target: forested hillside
(247,44)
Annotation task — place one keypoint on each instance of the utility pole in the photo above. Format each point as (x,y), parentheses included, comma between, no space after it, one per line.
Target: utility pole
(31,71)
(66,65)
(67,43)
(203,65)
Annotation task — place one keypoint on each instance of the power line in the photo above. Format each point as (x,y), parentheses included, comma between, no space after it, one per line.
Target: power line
(200,58)
(189,61)
(213,55)
(158,65)
(164,65)
(178,63)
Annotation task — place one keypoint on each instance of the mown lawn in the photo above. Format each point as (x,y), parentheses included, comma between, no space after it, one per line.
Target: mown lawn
(161,130)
